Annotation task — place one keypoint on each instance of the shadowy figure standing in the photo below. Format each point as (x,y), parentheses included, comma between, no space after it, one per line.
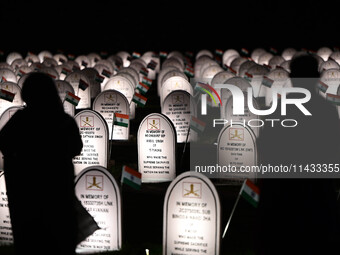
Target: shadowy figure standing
(299,216)
(38,144)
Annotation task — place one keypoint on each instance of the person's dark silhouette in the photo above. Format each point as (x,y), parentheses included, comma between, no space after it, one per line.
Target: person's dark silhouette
(299,216)
(38,144)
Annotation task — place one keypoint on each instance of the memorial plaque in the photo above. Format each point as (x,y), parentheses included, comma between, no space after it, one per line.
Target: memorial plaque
(177,106)
(109,102)
(13,88)
(175,83)
(124,86)
(132,72)
(75,79)
(191,216)
(207,64)
(236,147)
(95,136)
(6,235)
(4,118)
(99,193)
(156,143)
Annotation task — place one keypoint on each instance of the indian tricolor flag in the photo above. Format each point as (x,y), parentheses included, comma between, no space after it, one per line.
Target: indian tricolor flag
(146,81)
(196,124)
(6,95)
(142,88)
(250,192)
(335,99)
(121,119)
(248,76)
(139,99)
(131,177)
(3,79)
(322,86)
(71,98)
(267,81)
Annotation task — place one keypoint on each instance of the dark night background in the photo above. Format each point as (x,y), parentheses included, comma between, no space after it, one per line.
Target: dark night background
(83,26)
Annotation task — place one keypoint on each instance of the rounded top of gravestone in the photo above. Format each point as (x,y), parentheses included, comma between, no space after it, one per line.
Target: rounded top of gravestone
(132,72)
(174,62)
(44,54)
(255,55)
(237,62)
(199,63)
(6,66)
(125,56)
(7,75)
(330,76)
(17,63)
(227,54)
(276,61)
(210,71)
(288,53)
(204,53)
(324,53)
(93,58)
(258,70)
(82,61)
(173,73)
(329,64)
(239,82)
(12,56)
(286,65)
(278,75)
(264,58)
(335,56)
(23,70)
(107,64)
(32,58)
(221,77)
(116,61)
(50,62)
(175,53)
(51,72)
(245,66)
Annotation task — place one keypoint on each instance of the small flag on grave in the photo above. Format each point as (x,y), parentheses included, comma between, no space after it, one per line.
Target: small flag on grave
(71,56)
(71,98)
(322,86)
(152,64)
(189,71)
(245,51)
(3,79)
(146,81)
(136,54)
(196,124)
(66,71)
(335,99)
(131,177)
(267,82)
(163,54)
(83,84)
(99,78)
(250,192)
(6,95)
(144,71)
(142,88)
(106,73)
(139,99)
(248,76)
(121,119)
(21,73)
(219,52)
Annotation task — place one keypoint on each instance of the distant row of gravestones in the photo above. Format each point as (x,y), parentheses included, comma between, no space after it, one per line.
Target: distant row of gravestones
(191,208)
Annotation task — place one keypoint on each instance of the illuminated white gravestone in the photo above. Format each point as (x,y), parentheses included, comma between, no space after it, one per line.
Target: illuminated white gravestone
(331,78)
(4,118)
(12,56)
(50,71)
(264,58)
(99,194)
(174,62)
(95,136)
(6,236)
(237,62)
(199,63)
(109,102)
(156,142)
(204,53)
(60,58)
(257,72)
(210,71)
(324,52)
(83,61)
(220,78)
(335,56)
(7,75)
(44,54)
(161,75)
(288,53)
(275,61)
(16,64)
(226,94)
(207,64)
(177,107)
(13,88)
(94,78)
(255,55)
(228,56)
(93,58)
(280,78)
(329,64)
(125,56)
(245,66)
(173,73)
(236,146)
(175,83)
(191,216)
(105,72)
(63,87)
(148,57)
(131,72)
(75,79)
(124,86)
(247,117)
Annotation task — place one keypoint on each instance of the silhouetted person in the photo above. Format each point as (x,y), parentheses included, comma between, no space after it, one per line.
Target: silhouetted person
(38,144)
(299,216)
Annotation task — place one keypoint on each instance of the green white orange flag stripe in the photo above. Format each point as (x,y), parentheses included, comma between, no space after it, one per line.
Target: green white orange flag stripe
(322,86)
(131,177)
(120,119)
(139,99)
(335,99)
(6,95)
(250,192)
(143,88)
(267,81)
(196,124)
(71,98)
(248,76)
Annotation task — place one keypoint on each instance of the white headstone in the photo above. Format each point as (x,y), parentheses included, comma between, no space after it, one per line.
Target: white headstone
(257,72)
(161,74)
(85,95)
(6,235)
(281,80)
(156,144)
(7,75)
(236,147)
(191,216)
(13,88)
(177,106)
(175,83)
(331,78)
(99,194)
(95,136)
(109,102)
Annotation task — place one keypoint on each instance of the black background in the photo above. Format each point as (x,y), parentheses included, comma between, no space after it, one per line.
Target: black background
(81,27)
